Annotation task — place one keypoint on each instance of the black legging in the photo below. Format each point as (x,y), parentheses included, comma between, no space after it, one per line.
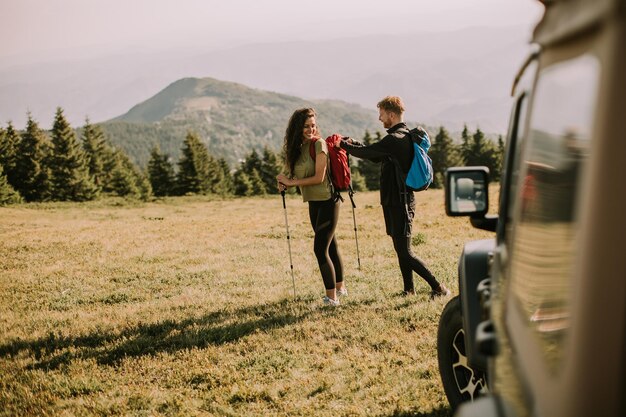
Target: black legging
(324,216)
(409,263)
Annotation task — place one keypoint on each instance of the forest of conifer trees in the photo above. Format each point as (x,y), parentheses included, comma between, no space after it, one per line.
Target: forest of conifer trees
(66,164)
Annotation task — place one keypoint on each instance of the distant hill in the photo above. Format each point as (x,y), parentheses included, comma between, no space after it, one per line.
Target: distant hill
(230,118)
(445,78)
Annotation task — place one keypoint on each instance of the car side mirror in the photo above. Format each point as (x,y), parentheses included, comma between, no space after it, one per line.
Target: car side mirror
(467,191)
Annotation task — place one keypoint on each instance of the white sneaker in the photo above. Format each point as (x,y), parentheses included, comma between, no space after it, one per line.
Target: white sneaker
(330,302)
(342,292)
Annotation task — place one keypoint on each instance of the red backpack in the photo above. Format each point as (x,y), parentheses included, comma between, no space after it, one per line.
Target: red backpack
(339,170)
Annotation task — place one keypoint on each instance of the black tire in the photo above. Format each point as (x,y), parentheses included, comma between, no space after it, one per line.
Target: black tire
(460,382)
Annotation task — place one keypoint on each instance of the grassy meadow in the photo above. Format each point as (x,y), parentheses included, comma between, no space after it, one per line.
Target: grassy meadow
(185,307)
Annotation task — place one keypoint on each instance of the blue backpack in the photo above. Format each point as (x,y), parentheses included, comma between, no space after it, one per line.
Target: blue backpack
(420,174)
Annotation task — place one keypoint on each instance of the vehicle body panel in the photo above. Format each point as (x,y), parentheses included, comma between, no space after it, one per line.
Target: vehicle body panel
(558,280)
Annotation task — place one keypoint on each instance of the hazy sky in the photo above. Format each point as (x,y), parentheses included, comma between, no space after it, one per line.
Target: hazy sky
(38,29)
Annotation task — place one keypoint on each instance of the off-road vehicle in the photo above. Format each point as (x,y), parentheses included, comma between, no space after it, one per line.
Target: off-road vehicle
(539,326)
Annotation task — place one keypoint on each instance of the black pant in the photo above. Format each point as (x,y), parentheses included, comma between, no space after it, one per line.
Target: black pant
(399,225)
(410,263)
(324,216)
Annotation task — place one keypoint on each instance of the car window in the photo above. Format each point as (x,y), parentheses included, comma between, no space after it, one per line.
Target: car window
(544,243)
(514,141)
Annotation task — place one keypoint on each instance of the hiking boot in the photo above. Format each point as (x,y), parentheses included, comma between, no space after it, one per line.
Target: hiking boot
(440,291)
(330,302)
(342,292)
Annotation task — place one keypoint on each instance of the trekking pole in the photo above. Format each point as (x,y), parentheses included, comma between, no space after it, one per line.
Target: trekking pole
(356,238)
(293,279)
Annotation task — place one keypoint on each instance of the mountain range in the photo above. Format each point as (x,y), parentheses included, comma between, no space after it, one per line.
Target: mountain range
(230,118)
(445,78)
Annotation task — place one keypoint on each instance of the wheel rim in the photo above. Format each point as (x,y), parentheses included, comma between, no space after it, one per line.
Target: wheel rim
(470,383)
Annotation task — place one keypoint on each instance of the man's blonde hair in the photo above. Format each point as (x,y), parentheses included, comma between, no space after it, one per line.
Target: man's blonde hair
(392,104)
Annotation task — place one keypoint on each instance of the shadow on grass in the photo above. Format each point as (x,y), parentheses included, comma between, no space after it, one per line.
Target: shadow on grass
(441,411)
(109,348)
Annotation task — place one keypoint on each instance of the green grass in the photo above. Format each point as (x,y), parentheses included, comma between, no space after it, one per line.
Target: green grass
(185,307)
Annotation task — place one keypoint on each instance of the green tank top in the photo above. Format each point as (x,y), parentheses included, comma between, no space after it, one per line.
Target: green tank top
(305,167)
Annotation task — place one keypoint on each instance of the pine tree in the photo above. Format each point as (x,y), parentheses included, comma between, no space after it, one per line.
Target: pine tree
(480,151)
(259,172)
(499,159)
(160,173)
(258,187)
(95,147)
(9,143)
(139,179)
(250,164)
(500,145)
(242,184)
(8,195)
(368,169)
(123,181)
(465,138)
(226,185)
(123,178)
(270,168)
(69,167)
(110,162)
(356,179)
(143,182)
(216,177)
(194,167)
(32,176)
(444,154)
(252,161)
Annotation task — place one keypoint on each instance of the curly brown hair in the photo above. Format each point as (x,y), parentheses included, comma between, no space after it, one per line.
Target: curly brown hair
(293,137)
(392,104)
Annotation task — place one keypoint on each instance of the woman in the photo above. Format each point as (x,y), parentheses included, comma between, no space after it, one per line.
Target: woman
(310,176)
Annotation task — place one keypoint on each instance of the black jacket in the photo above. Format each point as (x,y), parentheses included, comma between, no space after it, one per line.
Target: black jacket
(396,145)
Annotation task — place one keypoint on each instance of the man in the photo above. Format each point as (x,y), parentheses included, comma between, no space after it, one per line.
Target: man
(398,209)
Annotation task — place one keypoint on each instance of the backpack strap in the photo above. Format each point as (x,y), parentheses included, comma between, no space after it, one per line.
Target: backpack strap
(401,176)
(417,135)
(336,194)
(312,149)
(404,191)
(401,132)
